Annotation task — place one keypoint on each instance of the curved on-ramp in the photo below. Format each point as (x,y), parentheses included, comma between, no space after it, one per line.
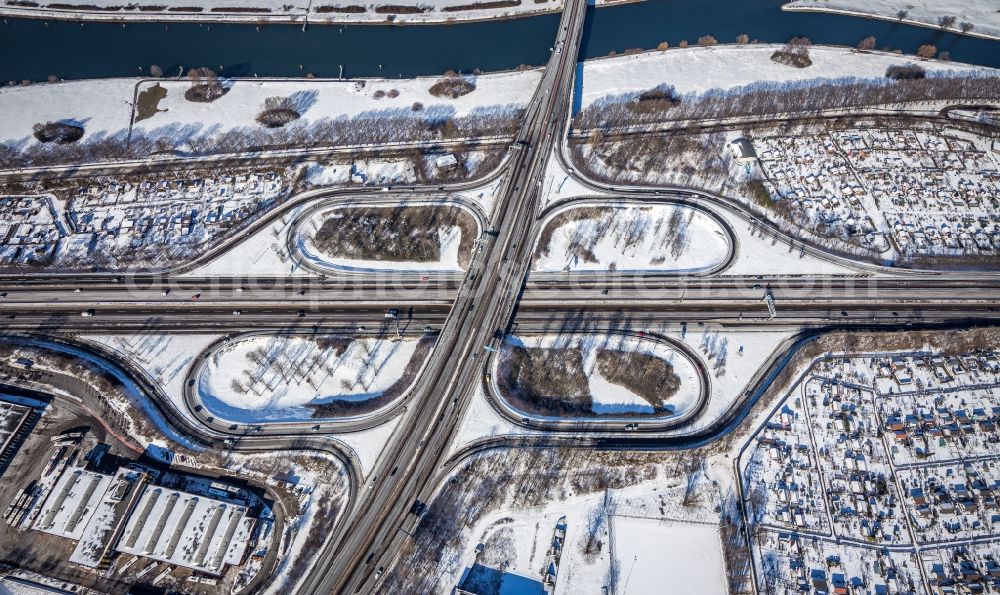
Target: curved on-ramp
(729,235)
(603,423)
(287,429)
(296,235)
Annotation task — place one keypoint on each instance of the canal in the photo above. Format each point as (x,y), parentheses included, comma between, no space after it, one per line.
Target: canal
(33,50)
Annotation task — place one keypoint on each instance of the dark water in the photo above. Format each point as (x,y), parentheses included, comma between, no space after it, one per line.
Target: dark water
(35,49)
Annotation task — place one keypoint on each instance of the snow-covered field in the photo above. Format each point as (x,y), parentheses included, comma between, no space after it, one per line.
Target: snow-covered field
(609,398)
(514,538)
(104,107)
(699,69)
(652,553)
(278,378)
(982,15)
(630,237)
(145,423)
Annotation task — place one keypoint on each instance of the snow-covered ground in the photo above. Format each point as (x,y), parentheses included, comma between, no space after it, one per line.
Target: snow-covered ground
(652,553)
(264,252)
(368,445)
(278,378)
(762,254)
(982,15)
(164,357)
(699,69)
(149,427)
(644,531)
(610,398)
(103,107)
(631,237)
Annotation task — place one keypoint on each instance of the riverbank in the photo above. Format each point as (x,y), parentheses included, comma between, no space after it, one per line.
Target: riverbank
(264,12)
(139,110)
(611,79)
(974,18)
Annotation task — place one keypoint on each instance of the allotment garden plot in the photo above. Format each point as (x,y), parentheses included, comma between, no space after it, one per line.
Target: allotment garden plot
(112,224)
(915,191)
(292,378)
(871,458)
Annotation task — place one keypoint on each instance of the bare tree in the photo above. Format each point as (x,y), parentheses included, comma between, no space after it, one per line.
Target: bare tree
(926,51)
(155,71)
(966,26)
(205,86)
(794,53)
(743,38)
(770,563)
(946,22)
(695,469)
(867,44)
(707,40)
(277,112)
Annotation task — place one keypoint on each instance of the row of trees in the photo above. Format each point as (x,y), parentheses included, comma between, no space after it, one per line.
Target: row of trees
(772,97)
(390,125)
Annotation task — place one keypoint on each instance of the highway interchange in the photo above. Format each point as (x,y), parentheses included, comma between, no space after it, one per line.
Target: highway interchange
(467,313)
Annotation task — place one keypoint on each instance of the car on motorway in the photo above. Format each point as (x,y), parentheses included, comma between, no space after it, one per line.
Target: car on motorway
(165,291)
(632,426)
(237,312)
(196,296)
(87,313)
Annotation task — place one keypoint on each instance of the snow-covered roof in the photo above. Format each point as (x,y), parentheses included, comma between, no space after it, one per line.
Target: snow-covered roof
(17,586)
(187,530)
(743,149)
(71,502)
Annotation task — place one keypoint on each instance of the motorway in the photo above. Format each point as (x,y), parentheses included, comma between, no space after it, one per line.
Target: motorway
(359,305)
(485,304)
(468,315)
